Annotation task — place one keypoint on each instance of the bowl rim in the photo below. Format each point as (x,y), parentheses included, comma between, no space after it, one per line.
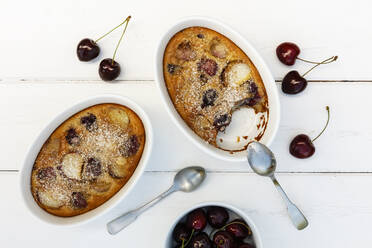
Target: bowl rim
(241,213)
(239,40)
(33,150)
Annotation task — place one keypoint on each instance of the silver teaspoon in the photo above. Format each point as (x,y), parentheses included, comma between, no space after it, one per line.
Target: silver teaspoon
(263,162)
(186,180)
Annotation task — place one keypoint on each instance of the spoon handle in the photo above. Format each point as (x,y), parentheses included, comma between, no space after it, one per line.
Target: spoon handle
(297,217)
(118,224)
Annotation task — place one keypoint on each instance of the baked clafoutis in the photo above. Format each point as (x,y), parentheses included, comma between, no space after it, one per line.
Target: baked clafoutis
(208,77)
(87,159)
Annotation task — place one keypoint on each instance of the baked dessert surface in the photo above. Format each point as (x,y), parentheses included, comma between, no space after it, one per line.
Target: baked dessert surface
(208,77)
(87,159)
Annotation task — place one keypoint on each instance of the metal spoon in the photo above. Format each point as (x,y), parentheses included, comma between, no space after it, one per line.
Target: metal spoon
(263,162)
(186,180)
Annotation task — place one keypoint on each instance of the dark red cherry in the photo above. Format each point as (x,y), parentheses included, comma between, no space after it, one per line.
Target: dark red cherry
(217,216)
(130,146)
(209,97)
(109,69)
(239,229)
(89,121)
(46,173)
(302,146)
(222,121)
(223,239)
(93,168)
(293,83)
(78,200)
(72,137)
(208,66)
(200,240)
(196,220)
(87,50)
(181,233)
(287,53)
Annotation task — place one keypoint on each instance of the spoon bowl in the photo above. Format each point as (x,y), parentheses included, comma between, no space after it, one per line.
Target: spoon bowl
(261,159)
(188,179)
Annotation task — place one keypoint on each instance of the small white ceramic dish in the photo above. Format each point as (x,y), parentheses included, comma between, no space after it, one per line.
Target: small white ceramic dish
(240,41)
(25,175)
(234,213)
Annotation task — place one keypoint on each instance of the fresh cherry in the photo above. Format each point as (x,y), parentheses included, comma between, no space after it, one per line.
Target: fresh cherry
(87,50)
(217,216)
(109,69)
(287,53)
(239,229)
(200,240)
(196,220)
(302,146)
(294,83)
(223,239)
(181,233)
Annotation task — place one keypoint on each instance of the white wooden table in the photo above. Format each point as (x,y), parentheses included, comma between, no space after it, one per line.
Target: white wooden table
(41,76)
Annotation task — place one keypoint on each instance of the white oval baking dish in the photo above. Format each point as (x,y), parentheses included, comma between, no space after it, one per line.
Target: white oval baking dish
(25,175)
(240,41)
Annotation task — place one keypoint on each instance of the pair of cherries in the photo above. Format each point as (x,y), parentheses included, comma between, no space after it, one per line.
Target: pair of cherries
(293,83)
(88,50)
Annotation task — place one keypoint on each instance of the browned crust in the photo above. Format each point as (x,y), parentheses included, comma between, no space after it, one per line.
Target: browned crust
(56,147)
(187,75)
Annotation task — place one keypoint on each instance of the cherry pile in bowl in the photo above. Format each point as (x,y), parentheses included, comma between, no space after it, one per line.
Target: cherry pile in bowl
(212,226)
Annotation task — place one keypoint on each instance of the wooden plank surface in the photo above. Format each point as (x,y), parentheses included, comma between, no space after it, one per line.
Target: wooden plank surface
(326,199)
(38,38)
(28,107)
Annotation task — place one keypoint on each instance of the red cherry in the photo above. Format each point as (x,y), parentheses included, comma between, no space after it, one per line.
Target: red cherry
(223,239)
(196,220)
(87,50)
(287,53)
(293,83)
(109,69)
(302,146)
(239,229)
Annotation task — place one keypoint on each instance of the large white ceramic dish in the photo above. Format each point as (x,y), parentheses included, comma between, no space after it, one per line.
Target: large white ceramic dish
(25,175)
(234,213)
(240,41)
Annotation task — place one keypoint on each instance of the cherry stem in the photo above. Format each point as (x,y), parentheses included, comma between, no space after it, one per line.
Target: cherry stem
(326,61)
(234,222)
(121,37)
(312,62)
(103,36)
(325,127)
(188,241)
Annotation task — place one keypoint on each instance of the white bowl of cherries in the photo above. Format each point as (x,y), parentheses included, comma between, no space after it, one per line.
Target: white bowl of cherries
(213,224)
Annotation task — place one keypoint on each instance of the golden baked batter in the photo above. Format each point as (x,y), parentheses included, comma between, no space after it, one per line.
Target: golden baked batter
(87,159)
(208,77)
